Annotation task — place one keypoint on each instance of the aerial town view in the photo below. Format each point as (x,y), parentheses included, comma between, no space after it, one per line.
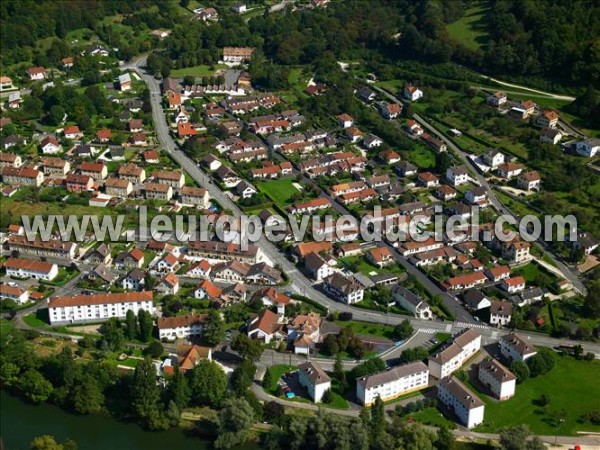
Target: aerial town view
(300,224)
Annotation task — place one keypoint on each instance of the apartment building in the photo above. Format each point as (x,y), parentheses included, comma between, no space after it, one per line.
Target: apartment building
(392,383)
(451,358)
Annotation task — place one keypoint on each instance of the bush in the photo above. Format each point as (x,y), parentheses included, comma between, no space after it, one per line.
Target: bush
(345,316)
(327,396)
(542,362)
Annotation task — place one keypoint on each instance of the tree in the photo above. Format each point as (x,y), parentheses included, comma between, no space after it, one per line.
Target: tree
(445,439)
(274,412)
(178,390)
(35,387)
(591,305)
(327,396)
(247,348)
(208,383)
(113,334)
(154,349)
(378,417)
(521,371)
(56,115)
(213,331)
(331,344)
(403,330)
(47,442)
(542,362)
(145,393)
(514,438)
(189,80)
(131,329)
(544,400)
(146,324)
(267,380)
(242,376)
(339,374)
(235,419)
(87,396)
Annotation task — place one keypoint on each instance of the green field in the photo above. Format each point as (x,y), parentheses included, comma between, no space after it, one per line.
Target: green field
(276,372)
(368,329)
(431,416)
(572,386)
(469,30)
(198,71)
(280,191)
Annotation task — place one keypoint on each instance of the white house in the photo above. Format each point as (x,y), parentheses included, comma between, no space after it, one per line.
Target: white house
(265,327)
(314,379)
(14,293)
(497,378)
(588,147)
(496,99)
(412,93)
(500,313)
(457,175)
(29,268)
(412,302)
(125,82)
(181,327)
(468,407)
(513,284)
(343,289)
(200,269)
(493,158)
(134,280)
(316,267)
(514,348)
(464,345)
(392,383)
(97,307)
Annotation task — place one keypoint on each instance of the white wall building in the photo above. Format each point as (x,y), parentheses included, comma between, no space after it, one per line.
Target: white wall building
(81,308)
(180,327)
(392,383)
(28,268)
(450,359)
(314,379)
(514,348)
(468,407)
(498,379)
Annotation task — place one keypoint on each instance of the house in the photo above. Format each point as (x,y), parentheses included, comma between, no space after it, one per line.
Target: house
(96,307)
(466,405)
(528,296)
(343,289)
(515,348)
(475,300)
(132,173)
(584,241)
(156,191)
(310,206)
(405,169)
(304,330)
(54,248)
(14,293)
(206,14)
(550,136)
(316,267)
(168,263)
(389,111)
(168,285)
(509,170)
(457,175)
(211,162)
(225,251)
(237,55)
(588,147)
(477,196)
(103,135)
(136,125)
(98,171)
(345,121)
(272,297)
(354,134)
(14,100)
(67,62)
(428,180)
(366,94)
(548,119)
(29,268)
(412,303)
(312,377)
(493,158)
(465,281)
(412,93)
(131,259)
(206,289)
(50,145)
(195,196)
(117,187)
(512,285)
(380,256)
(6,84)
(199,269)
(172,178)
(101,274)
(139,139)
(499,380)
(266,327)
(393,383)
(371,141)
(85,151)
(125,82)
(303,249)
(134,280)
(451,358)
(22,176)
(36,73)
(414,128)
(180,327)
(239,8)
(98,255)
(445,192)
(497,273)
(244,189)
(529,181)
(500,313)
(72,132)
(10,160)
(496,99)
(389,157)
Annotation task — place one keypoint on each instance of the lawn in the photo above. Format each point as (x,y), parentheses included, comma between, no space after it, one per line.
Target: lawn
(198,71)
(368,329)
(572,385)
(276,372)
(422,157)
(38,319)
(431,416)
(529,271)
(280,191)
(469,30)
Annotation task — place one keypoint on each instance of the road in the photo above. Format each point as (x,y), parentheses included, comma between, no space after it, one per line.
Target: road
(481,180)
(525,88)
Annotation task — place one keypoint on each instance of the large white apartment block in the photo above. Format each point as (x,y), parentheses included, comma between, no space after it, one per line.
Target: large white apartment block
(54,247)
(468,407)
(28,268)
(392,383)
(498,379)
(464,345)
(181,327)
(514,348)
(314,379)
(81,308)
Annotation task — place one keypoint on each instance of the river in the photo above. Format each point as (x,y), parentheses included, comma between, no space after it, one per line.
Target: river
(20,422)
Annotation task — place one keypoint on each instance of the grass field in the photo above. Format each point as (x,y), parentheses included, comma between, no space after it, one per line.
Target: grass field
(368,329)
(572,386)
(276,372)
(469,30)
(198,71)
(37,320)
(280,191)
(431,416)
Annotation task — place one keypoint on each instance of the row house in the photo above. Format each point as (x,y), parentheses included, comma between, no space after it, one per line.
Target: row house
(393,383)
(79,183)
(171,178)
(448,360)
(237,55)
(266,126)
(181,327)
(272,171)
(413,247)
(347,188)
(195,196)
(225,251)
(28,268)
(248,156)
(358,197)
(310,206)
(53,248)
(98,171)
(432,257)
(55,167)
(466,281)
(82,308)
(10,160)
(23,176)
(132,172)
(118,187)
(156,191)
